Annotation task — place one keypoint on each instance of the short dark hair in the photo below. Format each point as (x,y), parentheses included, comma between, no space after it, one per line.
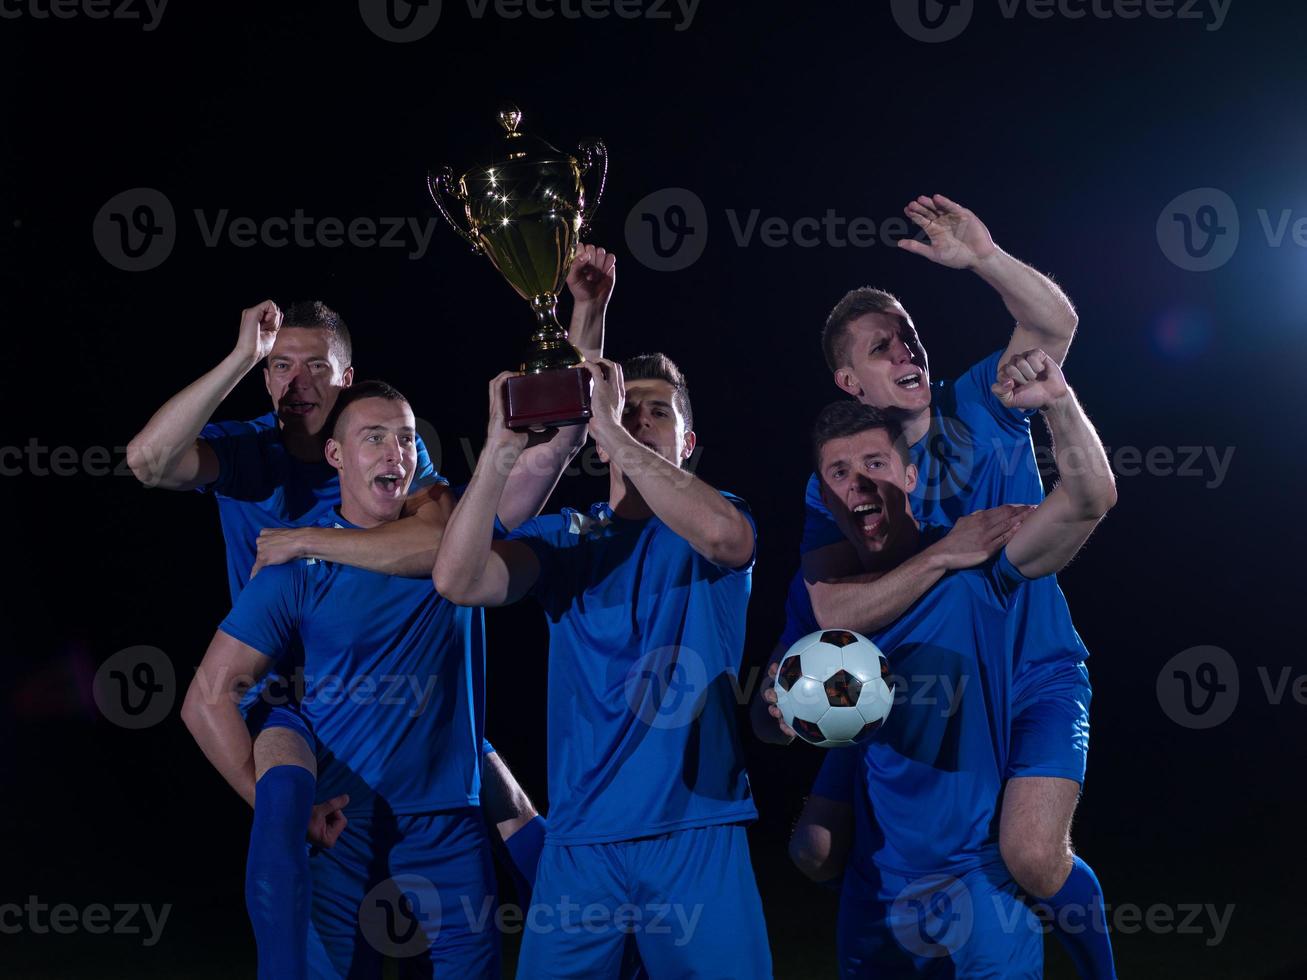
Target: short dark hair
(858,303)
(847,418)
(316,314)
(356,393)
(649,366)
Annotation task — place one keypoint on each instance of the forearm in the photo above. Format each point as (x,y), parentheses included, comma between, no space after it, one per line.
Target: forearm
(154,452)
(220,732)
(871,601)
(586,329)
(465,547)
(1034,300)
(711,524)
(1084,475)
(406,547)
(536,473)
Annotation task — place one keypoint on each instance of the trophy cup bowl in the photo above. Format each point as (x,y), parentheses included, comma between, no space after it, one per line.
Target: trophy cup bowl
(525,212)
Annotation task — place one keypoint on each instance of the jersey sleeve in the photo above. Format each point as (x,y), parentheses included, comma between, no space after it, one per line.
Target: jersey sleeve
(426,474)
(982,408)
(837,775)
(238,447)
(267,612)
(743,508)
(1004,578)
(799,618)
(819,527)
(541,536)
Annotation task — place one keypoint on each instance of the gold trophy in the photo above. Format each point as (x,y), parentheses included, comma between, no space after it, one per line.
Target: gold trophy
(525,213)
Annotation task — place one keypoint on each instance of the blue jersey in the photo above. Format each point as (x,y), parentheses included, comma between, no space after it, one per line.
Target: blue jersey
(260,484)
(977,454)
(394,680)
(929,781)
(646,637)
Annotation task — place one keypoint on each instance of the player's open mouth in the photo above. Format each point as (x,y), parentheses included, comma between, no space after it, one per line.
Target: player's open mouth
(910,381)
(298,407)
(869,516)
(389,483)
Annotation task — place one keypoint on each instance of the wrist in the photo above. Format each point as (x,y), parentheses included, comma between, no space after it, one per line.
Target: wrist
(1061,407)
(991,265)
(499,457)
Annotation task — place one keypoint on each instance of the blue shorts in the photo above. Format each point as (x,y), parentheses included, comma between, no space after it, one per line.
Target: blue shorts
(688,898)
(1050,722)
(418,888)
(972,925)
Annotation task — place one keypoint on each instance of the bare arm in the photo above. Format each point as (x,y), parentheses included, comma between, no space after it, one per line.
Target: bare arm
(471,568)
(505,803)
(406,547)
(590,280)
(710,524)
(843,598)
(1044,315)
(763,713)
(1051,536)
(210,713)
(820,842)
(168,452)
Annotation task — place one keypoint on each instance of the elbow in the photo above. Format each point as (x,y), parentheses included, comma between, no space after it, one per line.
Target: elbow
(449,584)
(139,456)
(732,545)
(1101,501)
(812,864)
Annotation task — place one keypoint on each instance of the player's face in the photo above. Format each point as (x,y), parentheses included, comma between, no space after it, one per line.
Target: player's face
(651,416)
(376,454)
(304,374)
(865,485)
(887,365)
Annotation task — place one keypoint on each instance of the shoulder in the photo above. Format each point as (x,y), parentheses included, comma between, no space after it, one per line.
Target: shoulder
(261,427)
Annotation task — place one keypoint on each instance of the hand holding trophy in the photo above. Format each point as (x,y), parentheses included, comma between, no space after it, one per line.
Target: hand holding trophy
(526,211)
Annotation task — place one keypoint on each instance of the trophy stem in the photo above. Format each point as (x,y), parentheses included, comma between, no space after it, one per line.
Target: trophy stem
(550,349)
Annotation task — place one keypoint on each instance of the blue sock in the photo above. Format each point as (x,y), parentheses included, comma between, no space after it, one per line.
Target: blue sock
(277,883)
(1083,930)
(524,848)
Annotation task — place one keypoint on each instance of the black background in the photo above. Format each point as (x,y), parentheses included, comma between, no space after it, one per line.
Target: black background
(1067,136)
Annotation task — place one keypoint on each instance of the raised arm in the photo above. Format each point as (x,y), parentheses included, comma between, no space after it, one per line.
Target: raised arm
(1086,491)
(711,524)
(210,712)
(1044,315)
(843,598)
(590,280)
(168,452)
(471,568)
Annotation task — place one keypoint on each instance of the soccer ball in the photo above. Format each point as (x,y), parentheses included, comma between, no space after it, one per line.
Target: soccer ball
(834,688)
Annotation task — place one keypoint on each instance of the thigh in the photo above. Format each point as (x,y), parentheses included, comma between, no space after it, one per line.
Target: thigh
(342,891)
(444,888)
(699,913)
(570,928)
(285,740)
(1050,723)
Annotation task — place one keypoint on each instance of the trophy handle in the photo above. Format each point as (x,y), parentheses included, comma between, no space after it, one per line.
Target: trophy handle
(439,184)
(593,151)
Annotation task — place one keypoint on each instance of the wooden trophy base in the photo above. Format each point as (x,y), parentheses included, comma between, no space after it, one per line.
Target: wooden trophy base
(548,400)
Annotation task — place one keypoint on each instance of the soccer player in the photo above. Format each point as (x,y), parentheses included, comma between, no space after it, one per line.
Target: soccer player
(972,453)
(927,890)
(274,488)
(392,713)
(645,595)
